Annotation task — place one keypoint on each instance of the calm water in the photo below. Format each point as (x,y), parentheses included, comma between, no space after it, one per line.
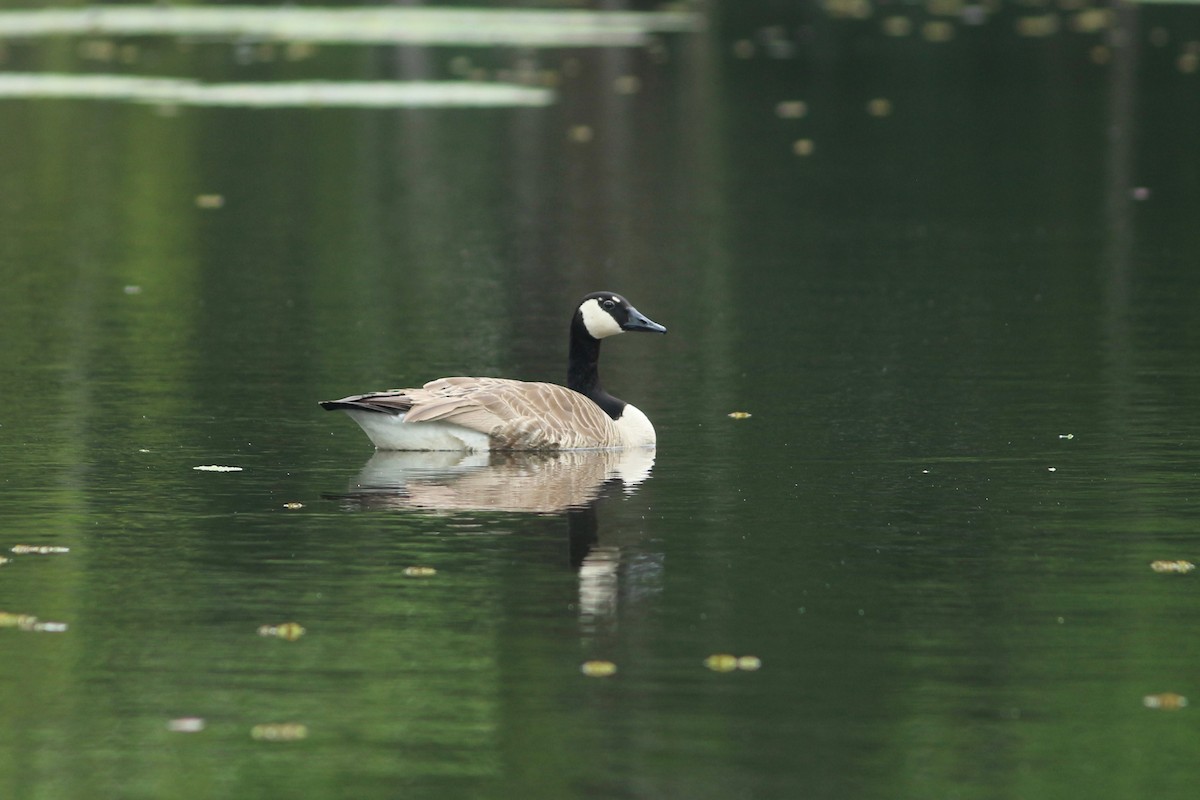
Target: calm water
(963,323)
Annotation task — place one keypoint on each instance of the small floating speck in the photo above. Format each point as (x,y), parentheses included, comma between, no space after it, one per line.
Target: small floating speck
(1167,701)
(897,26)
(937,30)
(721,662)
(1179,567)
(598,669)
(133,289)
(143,450)
(216,468)
(739,415)
(279,732)
(185,725)
(210,201)
(39,549)
(1140,193)
(1066,436)
(1039,25)
(28,622)
(419,572)
(580,134)
(1052,469)
(293,506)
(749,663)
(879,107)
(803,147)
(288,631)
(791,109)
(627,84)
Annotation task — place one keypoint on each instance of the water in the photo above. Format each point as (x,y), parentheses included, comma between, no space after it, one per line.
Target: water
(963,328)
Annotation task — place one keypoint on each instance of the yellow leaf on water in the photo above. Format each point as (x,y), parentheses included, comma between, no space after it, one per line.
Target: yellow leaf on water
(288,631)
(598,669)
(1179,567)
(279,732)
(739,415)
(721,662)
(1167,701)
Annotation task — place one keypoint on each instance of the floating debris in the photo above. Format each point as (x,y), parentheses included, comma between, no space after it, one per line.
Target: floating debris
(131,289)
(186,725)
(4,561)
(598,669)
(293,506)
(739,415)
(1051,469)
(721,662)
(1066,436)
(726,662)
(279,732)
(897,26)
(580,134)
(937,30)
(28,622)
(879,107)
(210,201)
(1178,567)
(216,468)
(791,109)
(1167,701)
(1092,20)
(289,631)
(803,147)
(627,84)
(419,572)
(1042,25)
(38,549)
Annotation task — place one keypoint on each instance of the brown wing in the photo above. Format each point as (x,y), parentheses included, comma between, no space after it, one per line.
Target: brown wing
(516,414)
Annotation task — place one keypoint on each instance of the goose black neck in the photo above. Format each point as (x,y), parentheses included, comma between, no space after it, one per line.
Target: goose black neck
(583,371)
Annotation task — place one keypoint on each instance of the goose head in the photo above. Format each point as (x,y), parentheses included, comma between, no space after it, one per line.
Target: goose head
(603,314)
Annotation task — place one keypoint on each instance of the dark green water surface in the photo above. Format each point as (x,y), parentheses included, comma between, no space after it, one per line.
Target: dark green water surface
(965,327)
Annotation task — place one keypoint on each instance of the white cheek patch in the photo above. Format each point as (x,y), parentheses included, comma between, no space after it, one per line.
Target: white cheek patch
(599,323)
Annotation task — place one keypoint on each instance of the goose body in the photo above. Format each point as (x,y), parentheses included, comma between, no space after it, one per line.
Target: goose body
(465,413)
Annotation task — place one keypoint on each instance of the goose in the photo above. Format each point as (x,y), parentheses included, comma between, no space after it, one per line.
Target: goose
(501,414)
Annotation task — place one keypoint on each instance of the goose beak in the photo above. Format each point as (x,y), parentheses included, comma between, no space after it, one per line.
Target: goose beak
(640,322)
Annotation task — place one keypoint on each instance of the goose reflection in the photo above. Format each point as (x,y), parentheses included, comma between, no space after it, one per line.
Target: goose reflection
(531,482)
(566,483)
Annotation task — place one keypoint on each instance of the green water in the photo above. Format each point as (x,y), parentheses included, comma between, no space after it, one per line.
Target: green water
(966,339)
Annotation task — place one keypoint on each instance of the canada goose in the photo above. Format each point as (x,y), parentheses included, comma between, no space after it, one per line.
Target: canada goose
(501,414)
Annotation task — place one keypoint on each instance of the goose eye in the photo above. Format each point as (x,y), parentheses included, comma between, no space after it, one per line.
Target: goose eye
(609,304)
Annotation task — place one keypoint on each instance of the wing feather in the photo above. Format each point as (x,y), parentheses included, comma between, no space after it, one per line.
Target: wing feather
(517,415)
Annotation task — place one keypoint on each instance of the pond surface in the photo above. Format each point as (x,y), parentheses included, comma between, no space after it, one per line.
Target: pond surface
(952,279)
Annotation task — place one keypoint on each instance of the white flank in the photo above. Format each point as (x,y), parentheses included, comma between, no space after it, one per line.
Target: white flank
(391,432)
(599,323)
